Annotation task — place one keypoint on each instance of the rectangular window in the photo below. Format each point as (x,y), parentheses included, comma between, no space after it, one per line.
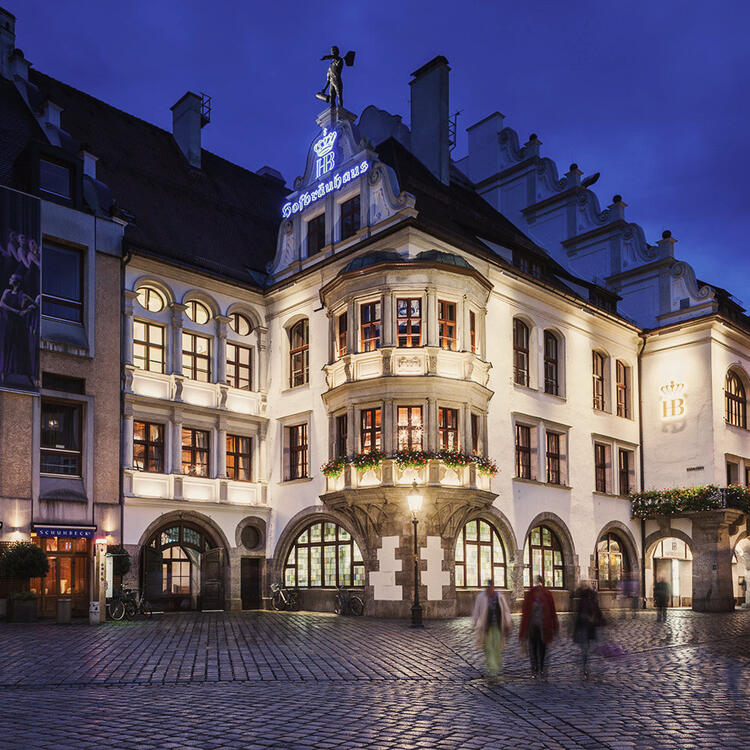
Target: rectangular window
(297,437)
(148,447)
(553,458)
(600,467)
(239,367)
(475,433)
(520,352)
(369,430)
(239,458)
(195,452)
(350,217)
(149,352)
(341,334)
(316,234)
(447,325)
(55,178)
(733,473)
(448,429)
(62,283)
(622,390)
(597,373)
(473,331)
(550,363)
(299,354)
(523,451)
(369,315)
(61,438)
(196,357)
(626,465)
(409,321)
(342,433)
(409,424)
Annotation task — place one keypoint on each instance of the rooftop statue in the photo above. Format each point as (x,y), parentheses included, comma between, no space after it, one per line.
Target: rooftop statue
(333,77)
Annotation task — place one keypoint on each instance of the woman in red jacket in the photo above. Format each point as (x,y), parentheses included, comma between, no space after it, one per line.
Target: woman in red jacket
(539,625)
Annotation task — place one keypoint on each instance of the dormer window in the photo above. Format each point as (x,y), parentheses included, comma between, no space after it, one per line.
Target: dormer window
(55,179)
(350,217)
(316,234)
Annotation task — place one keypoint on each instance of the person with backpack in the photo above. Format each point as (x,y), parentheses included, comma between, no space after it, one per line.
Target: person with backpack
(588,618)
(539,625)
(492,624)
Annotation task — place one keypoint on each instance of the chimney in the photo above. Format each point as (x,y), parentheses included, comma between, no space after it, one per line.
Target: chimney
(7,42)
(429,117)
(187,121)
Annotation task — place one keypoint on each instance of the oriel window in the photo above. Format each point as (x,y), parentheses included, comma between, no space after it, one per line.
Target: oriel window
(342,433)
(342,325)
(550,363)
(299,367)
(316,234)
(409,423)
(298,447)
(447,325)
(148,447)
(370,322)
(195,445)
(448,429)
(520,352)
(597,372)
(350,217)
(523,451)
(239,458)
(149,352)
(239,367)
(196,357)
(370,429)
(473,331)
(409,321)
(475,433)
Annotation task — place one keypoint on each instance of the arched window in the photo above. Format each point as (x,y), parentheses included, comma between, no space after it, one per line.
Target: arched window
(299,362)
(324,555)
(542,556)
(151,299)
(611,561)
(623,389)
(597,372)
(240,324)
(551,367)
(520,352)
(735,404)
(480,556)
(197,312)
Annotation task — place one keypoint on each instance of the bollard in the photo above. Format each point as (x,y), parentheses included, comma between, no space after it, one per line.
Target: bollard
(64,611)
(94,613)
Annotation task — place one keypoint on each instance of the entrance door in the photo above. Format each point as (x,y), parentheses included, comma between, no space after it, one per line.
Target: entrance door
(212,579)
(250,582)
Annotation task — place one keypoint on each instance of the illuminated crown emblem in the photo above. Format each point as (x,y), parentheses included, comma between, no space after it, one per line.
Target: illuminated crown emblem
(325,144)
(672,389)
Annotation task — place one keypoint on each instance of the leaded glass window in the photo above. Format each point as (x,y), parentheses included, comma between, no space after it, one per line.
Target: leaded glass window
(611,561)
(480,556)
(542,556)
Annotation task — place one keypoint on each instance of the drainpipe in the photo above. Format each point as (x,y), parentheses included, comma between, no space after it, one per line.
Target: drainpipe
(125,260)
(642,482)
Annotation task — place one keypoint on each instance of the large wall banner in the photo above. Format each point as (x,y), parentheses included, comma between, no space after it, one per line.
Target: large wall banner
(20,242)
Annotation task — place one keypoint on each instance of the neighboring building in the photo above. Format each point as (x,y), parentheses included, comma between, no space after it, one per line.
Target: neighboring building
(477,333)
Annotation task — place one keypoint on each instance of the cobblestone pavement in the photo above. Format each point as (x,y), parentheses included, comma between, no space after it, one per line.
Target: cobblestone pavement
(278,680)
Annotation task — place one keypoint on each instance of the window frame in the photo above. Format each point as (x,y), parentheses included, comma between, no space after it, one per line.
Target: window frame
(447,326)
(371,429)
(528,558)
(194,357)
(195,305)
(341,434)
(409,321)
(607,584)
(521,356)
(350,217)
(195,452)
(148,444)
(735,401)
(77,454)
(236,452)
(316,228)
(234,319)
(447,427)
(409,429)
(148,291)
(298,458)
(67,302)
(368,342)
(162,348)
(299,375)
(600,467)
(625,469)
(466,543)
(71,178)
(598,380)
(551,364)
(553,455)
(523,452)
(473,332)
(622,376)
(242,372)
(342,334)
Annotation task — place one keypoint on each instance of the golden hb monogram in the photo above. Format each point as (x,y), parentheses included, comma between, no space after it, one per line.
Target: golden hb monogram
(673,400)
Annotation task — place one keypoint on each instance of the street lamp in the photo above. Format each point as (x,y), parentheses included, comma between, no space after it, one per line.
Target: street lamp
(414,499)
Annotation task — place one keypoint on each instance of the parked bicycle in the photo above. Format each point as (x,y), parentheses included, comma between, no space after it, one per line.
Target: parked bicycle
(348,603)
(284,598)
(128,603)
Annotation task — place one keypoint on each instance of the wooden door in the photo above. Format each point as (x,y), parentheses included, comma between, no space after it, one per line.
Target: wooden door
(250,582)
(212,580)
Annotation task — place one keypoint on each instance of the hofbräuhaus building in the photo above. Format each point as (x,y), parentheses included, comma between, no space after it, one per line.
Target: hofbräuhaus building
(299,364)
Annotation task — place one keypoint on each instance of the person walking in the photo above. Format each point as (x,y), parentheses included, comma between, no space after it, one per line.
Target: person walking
(492,624)
(661,599)
(588,618)
(539,625)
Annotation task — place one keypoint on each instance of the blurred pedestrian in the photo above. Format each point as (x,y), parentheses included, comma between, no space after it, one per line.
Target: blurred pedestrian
(661,599)
(588,618)
(492,624)
(539,625)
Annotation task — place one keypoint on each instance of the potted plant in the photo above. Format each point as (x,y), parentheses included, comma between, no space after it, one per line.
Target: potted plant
(20,562)
(334,467)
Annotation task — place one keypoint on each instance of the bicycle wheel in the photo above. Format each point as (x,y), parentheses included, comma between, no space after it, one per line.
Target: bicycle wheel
(294,602)
(356,606)
(338,606)
(130,610)
(147,610)
(116,610)
(277,602)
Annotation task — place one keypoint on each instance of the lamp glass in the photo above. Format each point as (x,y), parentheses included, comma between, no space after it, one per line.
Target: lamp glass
(414,499)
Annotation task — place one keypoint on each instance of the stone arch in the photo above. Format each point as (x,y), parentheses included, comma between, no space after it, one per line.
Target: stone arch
(157,283)
(625,534)
(657,536)
(201,296)
(570,559)
(190,516)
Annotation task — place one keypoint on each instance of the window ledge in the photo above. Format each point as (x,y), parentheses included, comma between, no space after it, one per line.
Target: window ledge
(735,426)
(601,411)
(296,481)
(542,484)
(295,388)
(554,395)
(616,495)
(522,387)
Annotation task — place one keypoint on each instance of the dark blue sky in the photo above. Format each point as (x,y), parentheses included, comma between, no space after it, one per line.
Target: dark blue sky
(654,95)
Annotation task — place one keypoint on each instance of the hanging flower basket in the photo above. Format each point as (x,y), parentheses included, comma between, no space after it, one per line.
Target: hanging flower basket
(412,459)
(334,467)
(367,461)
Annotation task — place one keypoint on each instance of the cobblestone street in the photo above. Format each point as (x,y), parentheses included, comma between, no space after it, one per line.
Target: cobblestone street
(247,680)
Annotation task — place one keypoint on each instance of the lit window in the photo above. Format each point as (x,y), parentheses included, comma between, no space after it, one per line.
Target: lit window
(735,404)
(623,385)
(448,429)
(195,452)
(350,218)
(409,312)
(239,458)
(298,447)
(240,324)
(520,352)
(473,331)
(299,362)
(550,363)
(149,352)
(62,283)
(324,555)
(196,357)
(369,315)
(542,556)
(410,428)
(447,325)
(341,334)
(597,374)
(197,312)
(370,430)
(239,367)
(523,451)
(61,438)
(148,447)
(480,556)
(611,562)
(151,299)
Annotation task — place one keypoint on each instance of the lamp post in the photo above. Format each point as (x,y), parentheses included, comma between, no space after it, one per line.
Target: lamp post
(414,499)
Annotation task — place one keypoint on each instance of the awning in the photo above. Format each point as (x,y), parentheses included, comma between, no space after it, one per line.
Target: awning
(79,531)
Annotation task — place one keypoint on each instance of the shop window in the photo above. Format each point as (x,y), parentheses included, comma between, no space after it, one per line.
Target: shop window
(447,325)
(473,331)
(60,433)
(299,355)
(480,556)
(342,434)
(195,444)
(297,449)
(626,468)
(735,403)
(551,364)
(520,352)
(342,329)
(623,389)
(350,218)
(239,458)
(409,425)
(197,312)
(597,374)
(523,452)
(149,352)
(148,447)
(370,428)
(611,562)
(409,322)
(240,324)
(542,556)
(370,321)
(68,574)
(324,556)
(316,234)
(62,283)
(196,357)
(448,429)
(239,367)
(151,299)
(553,458)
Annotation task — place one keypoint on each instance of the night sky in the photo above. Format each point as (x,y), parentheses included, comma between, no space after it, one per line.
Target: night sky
(654,95)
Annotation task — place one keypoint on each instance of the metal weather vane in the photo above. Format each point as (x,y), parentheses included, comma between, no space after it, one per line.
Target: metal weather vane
(333,77)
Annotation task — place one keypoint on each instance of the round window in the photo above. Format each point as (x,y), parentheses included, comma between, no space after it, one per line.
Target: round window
(197,312)
(239,324)
(251,537)
(151,299)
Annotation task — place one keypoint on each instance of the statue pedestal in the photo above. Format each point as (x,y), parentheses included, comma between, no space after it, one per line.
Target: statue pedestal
(331,115)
